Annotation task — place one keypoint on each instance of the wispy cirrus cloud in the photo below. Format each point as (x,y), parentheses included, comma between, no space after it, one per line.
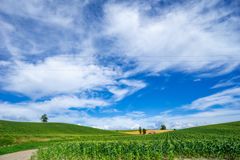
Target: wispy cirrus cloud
(192,37)
(229,97)
(110,111)
(197,80)
(41,27)
(230,82)
(131,86)
(136,114)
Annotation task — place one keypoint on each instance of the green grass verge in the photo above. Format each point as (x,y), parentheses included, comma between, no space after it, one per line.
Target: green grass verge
(33,144)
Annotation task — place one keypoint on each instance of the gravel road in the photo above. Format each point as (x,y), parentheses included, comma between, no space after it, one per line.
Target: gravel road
(22,155)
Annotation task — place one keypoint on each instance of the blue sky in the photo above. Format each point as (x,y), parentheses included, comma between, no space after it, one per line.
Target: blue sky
(120,64)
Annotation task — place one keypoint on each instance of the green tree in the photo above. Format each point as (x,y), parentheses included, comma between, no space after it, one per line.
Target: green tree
(163,127)
(140,130)
(44,118)
(144,131)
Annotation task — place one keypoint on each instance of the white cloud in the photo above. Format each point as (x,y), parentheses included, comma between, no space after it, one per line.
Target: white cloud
(166,112)
(43,11)
(4,63)
(43,28)
(119,93)
(175,38)
(136,114)
(154,122)
(110,111)
(204,118)
(230,82)
(58,75)
(216,113)
(116,123)
(15,118)
(132,86)
(101,127)
(56,107)
(229,97)
(175,124)
(197,80)
(136,126)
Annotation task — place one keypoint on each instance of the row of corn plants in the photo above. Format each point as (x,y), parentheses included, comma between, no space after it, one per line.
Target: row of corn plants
(216,141)
(168,148)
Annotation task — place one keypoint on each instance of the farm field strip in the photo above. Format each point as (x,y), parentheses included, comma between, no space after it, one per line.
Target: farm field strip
(214,141)
(147,132)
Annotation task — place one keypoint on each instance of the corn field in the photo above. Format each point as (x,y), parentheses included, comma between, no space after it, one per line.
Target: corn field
(189,143)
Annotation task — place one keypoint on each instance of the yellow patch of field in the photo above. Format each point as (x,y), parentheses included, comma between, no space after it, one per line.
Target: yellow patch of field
(156,131)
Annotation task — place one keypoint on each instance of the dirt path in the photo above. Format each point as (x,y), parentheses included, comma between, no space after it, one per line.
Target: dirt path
(22,155)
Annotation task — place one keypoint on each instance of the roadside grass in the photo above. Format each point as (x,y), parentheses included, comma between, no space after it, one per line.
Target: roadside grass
(28,145)
(24,146)
(34,143)
(17,136)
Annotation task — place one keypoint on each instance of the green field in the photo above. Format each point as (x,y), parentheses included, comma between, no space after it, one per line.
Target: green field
(220,141)
(31,129)
(20,132)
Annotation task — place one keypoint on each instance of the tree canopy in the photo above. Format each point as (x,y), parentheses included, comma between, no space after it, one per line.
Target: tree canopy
(163,127)
(140,130)
(44,118)
(144,131)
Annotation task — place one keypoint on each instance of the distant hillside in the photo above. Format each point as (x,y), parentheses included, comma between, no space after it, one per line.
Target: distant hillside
(231,128)
(10,128)
(214,131)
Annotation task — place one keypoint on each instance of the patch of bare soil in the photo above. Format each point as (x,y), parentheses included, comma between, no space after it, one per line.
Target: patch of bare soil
(21,155)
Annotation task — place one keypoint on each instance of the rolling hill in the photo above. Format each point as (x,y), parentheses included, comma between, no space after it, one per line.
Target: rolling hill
(10,128)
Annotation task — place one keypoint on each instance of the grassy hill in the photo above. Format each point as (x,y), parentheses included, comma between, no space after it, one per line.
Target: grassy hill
(28,135)
(9,128)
